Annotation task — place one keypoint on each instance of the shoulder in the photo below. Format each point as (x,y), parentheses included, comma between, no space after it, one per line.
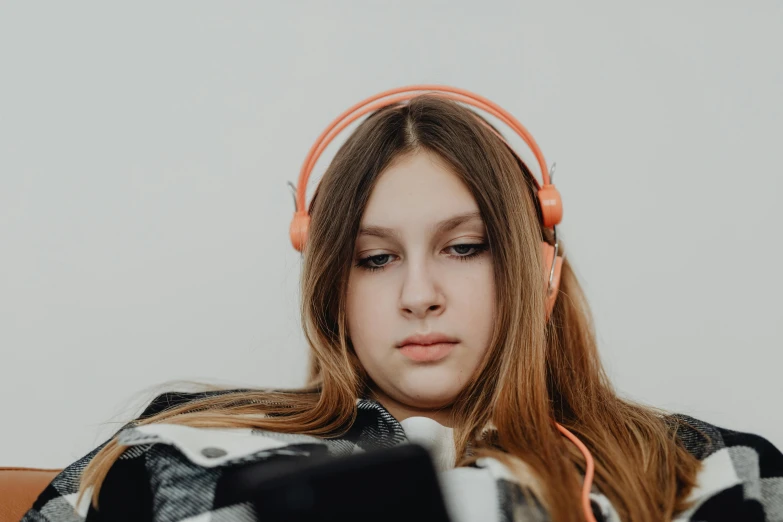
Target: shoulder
(127,478)
(703,439)
(741,474)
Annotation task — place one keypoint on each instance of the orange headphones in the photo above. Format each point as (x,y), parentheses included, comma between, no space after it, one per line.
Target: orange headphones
(549,201)
(548,197)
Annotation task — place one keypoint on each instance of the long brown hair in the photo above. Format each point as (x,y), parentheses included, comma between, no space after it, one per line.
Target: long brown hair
(534,371)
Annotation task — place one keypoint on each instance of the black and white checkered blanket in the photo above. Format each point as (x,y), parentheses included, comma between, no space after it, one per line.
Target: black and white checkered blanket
(174,473)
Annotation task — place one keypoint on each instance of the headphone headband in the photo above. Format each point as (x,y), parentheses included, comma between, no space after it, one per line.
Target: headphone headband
(549,197)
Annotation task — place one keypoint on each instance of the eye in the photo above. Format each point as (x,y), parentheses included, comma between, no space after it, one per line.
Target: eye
(463,254)
(478,249)
(365,263)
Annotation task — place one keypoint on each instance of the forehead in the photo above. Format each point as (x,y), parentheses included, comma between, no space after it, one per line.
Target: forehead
(418,191)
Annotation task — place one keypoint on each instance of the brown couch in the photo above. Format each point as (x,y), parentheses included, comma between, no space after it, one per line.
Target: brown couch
(19,487)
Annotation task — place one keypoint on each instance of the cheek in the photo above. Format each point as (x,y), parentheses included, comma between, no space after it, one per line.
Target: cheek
(477,295)
(366,314)
(483,308)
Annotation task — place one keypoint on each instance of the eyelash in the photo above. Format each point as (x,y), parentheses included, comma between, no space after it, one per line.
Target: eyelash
(479,249)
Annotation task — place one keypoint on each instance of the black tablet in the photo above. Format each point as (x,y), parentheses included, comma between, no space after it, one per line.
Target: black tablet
(398,483)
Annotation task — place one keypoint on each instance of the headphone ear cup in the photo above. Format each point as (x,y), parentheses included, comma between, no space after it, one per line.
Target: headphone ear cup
(551,205)
(548,254)
(300,225)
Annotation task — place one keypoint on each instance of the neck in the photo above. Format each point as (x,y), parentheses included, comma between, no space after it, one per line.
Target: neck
(402,411)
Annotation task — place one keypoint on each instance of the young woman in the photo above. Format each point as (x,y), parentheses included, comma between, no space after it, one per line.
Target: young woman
(438,309)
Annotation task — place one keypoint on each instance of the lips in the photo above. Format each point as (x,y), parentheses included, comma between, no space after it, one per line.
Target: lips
(428,339)
(427,352)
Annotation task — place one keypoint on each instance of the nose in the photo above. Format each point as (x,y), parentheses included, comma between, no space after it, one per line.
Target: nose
(420,294)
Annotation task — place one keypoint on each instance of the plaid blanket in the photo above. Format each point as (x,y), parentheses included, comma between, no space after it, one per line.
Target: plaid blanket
(174,473)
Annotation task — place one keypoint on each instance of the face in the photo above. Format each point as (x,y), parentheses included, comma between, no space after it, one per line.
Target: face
(423,268)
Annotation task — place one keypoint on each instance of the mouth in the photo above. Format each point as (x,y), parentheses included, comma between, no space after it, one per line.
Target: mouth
(427,352)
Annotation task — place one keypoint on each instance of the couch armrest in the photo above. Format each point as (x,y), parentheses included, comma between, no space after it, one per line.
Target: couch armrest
(19,487)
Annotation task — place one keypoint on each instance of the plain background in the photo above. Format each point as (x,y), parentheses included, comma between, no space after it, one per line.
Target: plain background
(144,210)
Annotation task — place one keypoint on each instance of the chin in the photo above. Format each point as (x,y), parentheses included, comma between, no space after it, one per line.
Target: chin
(429,396)
(430,387)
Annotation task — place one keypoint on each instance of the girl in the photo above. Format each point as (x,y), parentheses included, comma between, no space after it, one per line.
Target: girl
(437,310)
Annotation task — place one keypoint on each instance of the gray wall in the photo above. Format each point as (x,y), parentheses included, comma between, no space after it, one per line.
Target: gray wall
(144,212)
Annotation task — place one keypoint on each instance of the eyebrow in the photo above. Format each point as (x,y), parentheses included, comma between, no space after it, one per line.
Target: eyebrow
(440,228)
